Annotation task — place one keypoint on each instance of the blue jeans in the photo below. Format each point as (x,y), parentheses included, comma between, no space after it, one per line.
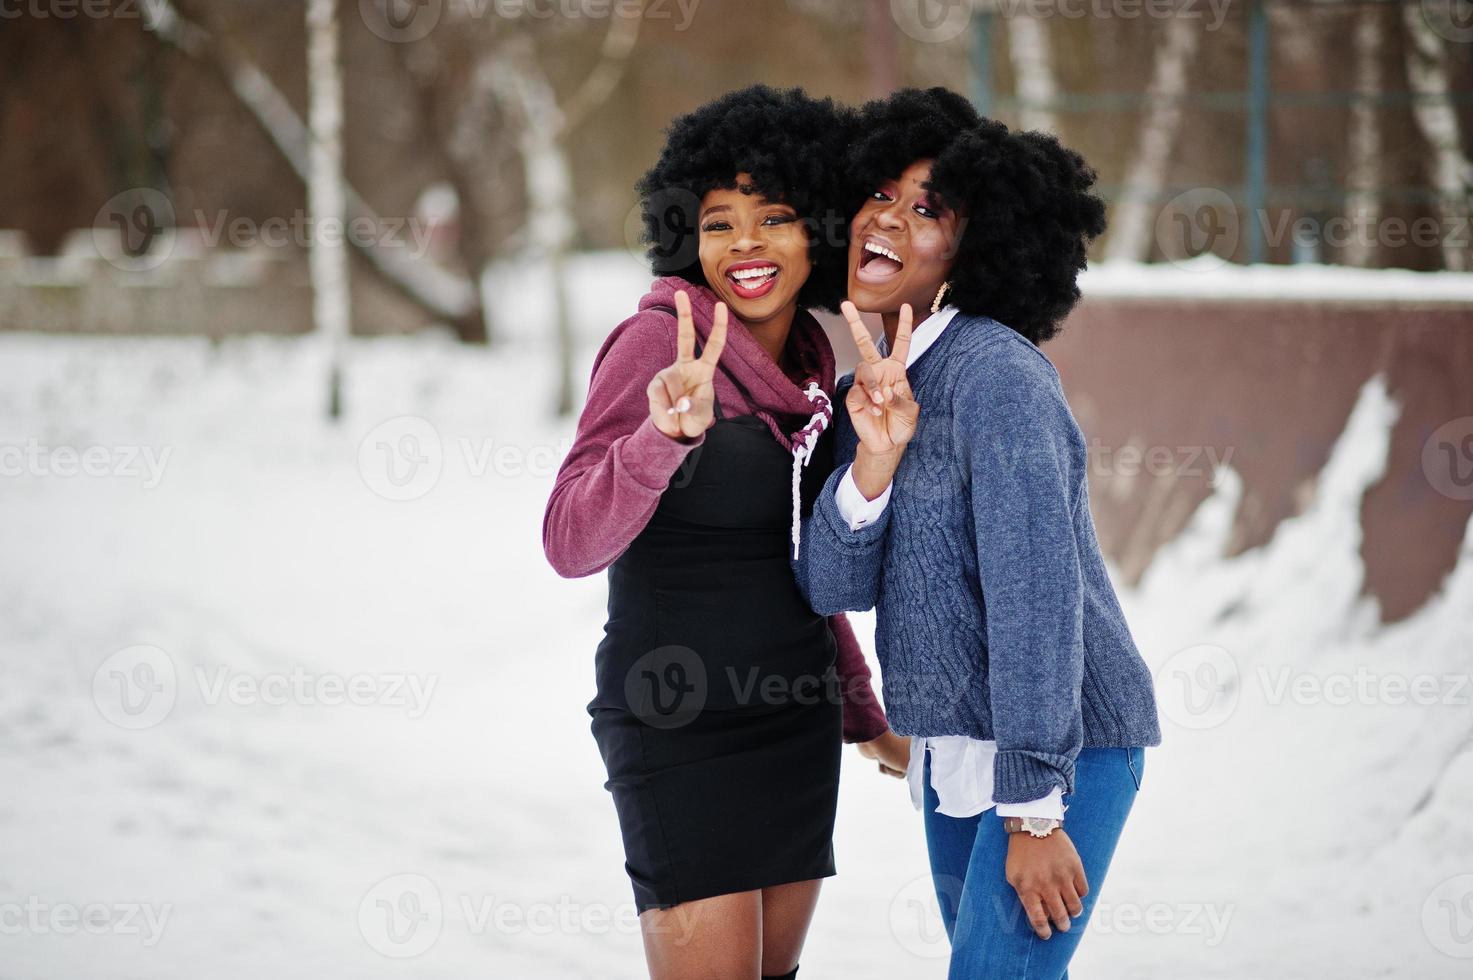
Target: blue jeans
(989,932)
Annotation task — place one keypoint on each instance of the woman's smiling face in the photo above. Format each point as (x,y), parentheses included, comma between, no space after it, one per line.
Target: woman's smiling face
(902,245)
(754,252)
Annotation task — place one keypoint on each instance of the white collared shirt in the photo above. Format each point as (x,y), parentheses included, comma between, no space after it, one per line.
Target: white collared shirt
(961,767)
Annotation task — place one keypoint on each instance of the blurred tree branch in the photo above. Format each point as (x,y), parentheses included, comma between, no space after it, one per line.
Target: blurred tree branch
(442,293)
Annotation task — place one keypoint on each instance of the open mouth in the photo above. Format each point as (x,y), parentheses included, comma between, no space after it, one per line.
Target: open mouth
(877,262)
(752,280)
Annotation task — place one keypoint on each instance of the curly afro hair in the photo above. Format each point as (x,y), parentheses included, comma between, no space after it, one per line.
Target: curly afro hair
(1027,214)
(793,147)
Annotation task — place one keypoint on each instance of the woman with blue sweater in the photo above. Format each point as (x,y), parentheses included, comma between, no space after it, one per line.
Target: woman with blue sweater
(966,522)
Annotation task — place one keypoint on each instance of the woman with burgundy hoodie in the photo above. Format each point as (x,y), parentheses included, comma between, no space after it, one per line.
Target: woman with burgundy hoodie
(721,696)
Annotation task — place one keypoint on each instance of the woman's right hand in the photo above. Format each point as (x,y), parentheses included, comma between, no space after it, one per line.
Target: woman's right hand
(682,397)
(891,751)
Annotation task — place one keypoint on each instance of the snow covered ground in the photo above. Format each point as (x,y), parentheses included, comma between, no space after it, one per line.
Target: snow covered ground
(292,699)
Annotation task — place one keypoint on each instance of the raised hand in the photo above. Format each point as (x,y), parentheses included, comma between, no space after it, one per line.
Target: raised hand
(682,399)
(881,406)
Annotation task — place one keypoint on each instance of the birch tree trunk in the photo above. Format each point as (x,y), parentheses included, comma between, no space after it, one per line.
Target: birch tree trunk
(1364,175)
(1033,71)
(548,174)
(326,201)
(1133,224)
(439,291)
(1437,119)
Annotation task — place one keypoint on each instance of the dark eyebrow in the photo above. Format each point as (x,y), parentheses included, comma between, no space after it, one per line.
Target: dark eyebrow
(714,208)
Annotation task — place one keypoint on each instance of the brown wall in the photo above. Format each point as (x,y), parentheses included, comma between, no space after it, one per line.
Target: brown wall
(1273,383)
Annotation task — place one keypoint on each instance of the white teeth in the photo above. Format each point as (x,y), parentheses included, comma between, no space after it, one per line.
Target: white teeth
(758,273)
(879,249)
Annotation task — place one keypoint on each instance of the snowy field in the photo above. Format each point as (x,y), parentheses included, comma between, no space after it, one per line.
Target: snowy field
(286,699)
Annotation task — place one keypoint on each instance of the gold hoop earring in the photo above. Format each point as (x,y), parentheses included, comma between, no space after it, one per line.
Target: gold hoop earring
(940,294)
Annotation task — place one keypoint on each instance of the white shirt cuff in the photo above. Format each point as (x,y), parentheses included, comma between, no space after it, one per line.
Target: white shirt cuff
(853,507)
(1050,806)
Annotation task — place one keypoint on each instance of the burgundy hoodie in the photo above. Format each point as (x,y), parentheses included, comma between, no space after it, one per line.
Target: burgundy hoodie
(612,479)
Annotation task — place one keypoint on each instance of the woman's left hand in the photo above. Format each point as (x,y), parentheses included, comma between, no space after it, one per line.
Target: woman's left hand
(1049,878)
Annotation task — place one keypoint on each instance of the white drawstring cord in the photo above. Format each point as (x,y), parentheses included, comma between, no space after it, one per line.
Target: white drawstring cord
(803,446)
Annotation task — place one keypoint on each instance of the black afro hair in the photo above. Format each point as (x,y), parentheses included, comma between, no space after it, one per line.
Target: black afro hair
(1027,214)
(793,147)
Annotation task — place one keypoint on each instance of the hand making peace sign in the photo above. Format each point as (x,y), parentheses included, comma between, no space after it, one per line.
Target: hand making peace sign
(881,405)
(682,398)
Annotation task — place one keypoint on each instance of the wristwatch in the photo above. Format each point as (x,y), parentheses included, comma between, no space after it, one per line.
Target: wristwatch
(1034,826)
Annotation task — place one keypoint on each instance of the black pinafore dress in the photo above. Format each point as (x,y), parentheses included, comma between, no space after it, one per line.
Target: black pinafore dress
(718,712)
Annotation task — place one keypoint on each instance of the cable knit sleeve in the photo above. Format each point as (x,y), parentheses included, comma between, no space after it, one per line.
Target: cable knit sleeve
(1026,458)
(611,481)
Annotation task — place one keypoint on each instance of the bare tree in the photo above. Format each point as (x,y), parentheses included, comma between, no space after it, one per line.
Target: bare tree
(1437,119)
(515,76)
(1033,70)
(1133,224)
(326,204)
(442,293)
(1364,175)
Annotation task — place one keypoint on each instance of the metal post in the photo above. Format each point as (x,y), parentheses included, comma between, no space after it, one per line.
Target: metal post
(982,62)
(1257,136)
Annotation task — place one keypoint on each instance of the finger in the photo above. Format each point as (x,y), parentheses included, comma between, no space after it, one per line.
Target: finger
(1081,883)
(867,351)
(659,396)
(905,410)
(1057,913)
(858,402)
(716,343)
(661,413)
(674,390)
(1037,917)
(902,334)
(1071,901)
(868,380)
(685,329)
(697,417)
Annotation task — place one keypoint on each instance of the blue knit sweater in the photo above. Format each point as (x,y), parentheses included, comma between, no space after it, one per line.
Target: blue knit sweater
(996,617)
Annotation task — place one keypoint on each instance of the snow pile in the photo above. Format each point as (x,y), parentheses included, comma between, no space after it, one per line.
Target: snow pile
(300,699)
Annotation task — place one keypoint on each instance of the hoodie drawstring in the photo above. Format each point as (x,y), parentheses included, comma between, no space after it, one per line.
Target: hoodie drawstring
(804,442)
